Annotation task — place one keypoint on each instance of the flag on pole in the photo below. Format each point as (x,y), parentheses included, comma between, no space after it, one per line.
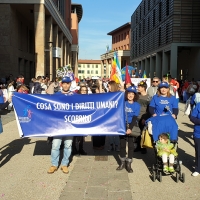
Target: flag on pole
(127,76)
(116,70)
(144,75)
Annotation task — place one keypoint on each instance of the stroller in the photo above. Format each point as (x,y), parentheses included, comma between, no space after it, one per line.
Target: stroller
(156,126)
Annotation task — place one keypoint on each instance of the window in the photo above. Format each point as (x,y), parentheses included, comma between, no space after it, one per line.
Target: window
(79,77)
(133,36)
(159,37)
(88,71)
(139,30)
(96,66)
(148,24)
(140,12)
(143,29)
(92,71)
(97,72)
(144,6)
(104,71)
(79,65)
(83,66)
(122,37)
(160,11)
(136,19)
(148,2)
(167,7)
(113,39)
(167,33)
(79,71)
(154,17)
(88,66)
(83,71)
(92,66)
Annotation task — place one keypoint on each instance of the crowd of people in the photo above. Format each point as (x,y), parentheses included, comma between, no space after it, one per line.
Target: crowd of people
(141,103)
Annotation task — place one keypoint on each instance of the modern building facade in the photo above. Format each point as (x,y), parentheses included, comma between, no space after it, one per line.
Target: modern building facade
(36,37)
(165,38)
(89,68)
(120,44)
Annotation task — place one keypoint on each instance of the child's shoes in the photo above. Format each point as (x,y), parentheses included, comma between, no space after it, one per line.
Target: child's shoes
(165,168)
(171,169)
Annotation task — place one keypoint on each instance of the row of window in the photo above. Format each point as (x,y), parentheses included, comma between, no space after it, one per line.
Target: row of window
(88,72)
(88,66)
(120,37)
(147,6)
(125,47)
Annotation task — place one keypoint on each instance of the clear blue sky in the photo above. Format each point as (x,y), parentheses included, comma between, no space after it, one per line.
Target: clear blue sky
(99,18)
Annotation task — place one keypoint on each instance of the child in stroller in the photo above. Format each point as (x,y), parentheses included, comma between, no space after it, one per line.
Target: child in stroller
(156,127)
(166,150)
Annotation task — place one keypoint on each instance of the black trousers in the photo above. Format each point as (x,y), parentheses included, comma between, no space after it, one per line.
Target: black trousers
(98,141)
(123,140)
(197,154)
(79,139)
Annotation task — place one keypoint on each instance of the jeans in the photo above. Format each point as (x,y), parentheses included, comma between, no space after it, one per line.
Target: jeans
(55,150)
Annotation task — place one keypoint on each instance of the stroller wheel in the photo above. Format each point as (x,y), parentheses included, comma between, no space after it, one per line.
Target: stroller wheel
(183,177)
(160,176)
(177,177)
(154,176)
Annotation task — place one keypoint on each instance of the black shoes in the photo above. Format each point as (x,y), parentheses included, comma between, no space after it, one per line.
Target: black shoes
(122,166)
(128,167)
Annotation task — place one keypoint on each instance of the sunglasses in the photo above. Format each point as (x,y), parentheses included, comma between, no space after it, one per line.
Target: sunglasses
(155,81)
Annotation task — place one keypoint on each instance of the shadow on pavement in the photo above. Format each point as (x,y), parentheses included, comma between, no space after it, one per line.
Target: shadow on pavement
(11,149)
(4,112)
(186,136)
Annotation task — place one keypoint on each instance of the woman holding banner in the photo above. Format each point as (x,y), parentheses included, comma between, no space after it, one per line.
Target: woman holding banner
(98,141)
(132,109)
(79,139)
(113,140)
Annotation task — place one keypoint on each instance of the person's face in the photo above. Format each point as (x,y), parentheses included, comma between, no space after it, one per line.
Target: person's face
(83,90)
(97,90)
(130,96)
(164,90)
(155,82)
(66,86)
(162,140)
(109,88)
(141,89)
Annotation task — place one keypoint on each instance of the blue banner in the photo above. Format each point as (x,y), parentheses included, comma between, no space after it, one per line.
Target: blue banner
(42,115)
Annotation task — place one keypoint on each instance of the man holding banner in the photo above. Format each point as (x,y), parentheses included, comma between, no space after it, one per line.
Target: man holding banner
(55,150)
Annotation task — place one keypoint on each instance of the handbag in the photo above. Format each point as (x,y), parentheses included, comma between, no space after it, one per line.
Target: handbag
(146,141)
(135,130)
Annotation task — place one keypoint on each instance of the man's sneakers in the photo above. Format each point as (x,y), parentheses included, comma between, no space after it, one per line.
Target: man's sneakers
(64,169)
(195,174)
(52,169)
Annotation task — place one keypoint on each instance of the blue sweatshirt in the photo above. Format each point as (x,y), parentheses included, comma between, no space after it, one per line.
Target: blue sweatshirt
(195,118)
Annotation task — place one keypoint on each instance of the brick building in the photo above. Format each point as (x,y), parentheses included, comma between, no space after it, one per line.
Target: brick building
(37,36)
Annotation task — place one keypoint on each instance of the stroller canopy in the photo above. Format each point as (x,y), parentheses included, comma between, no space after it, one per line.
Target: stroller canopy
(164,124)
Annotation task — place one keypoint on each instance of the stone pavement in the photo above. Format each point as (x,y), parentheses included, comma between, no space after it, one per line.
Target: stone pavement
(24,164)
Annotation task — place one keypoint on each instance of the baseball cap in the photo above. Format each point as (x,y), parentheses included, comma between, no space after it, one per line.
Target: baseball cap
(67,79)
(131,89)
(163,84)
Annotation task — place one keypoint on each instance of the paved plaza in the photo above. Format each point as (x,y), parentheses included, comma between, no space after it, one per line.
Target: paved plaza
(24,164)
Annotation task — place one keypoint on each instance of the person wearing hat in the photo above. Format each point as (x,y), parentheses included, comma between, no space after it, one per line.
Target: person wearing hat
(56,143)
(144,101)
(132,109)
(163,103)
